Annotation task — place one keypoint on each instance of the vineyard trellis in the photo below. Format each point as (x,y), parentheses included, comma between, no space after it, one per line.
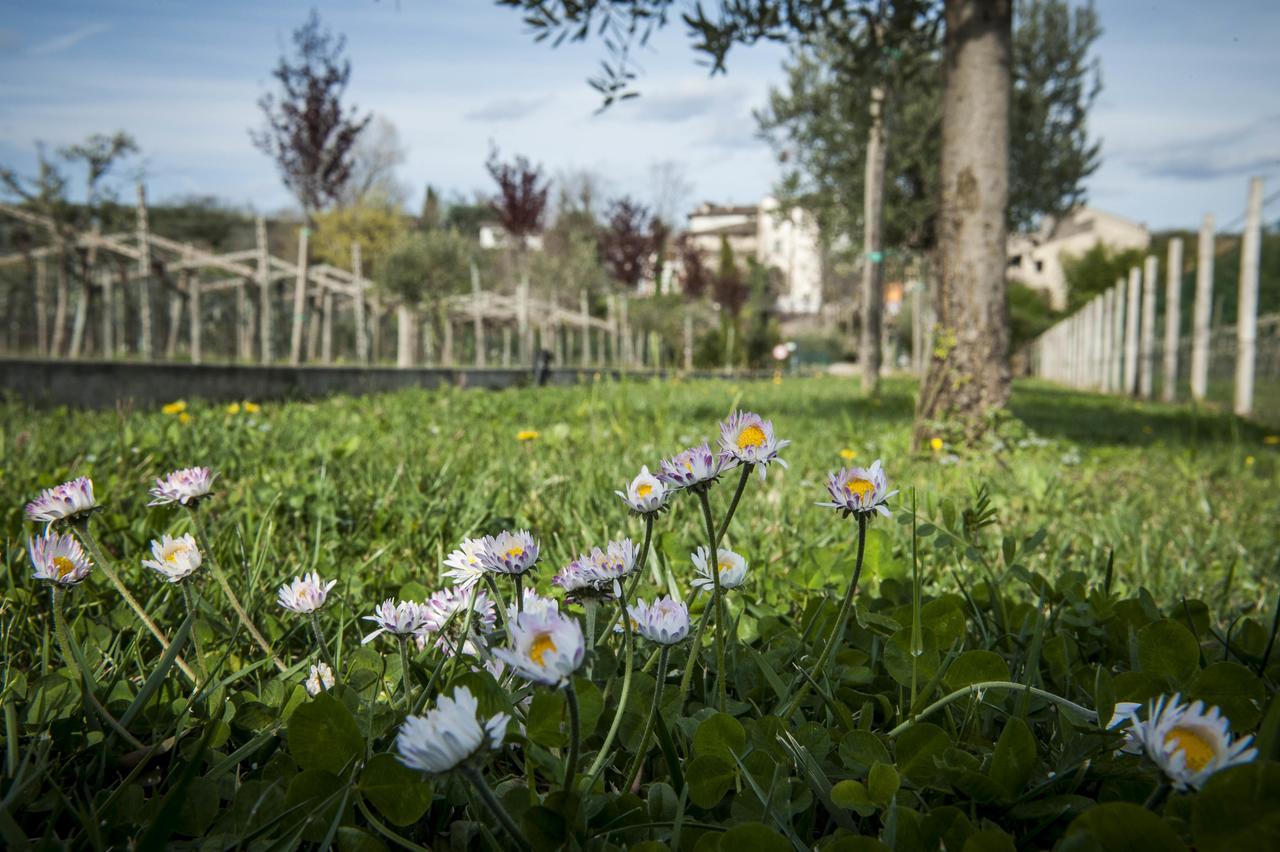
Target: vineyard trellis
(1111,343)
(330,314)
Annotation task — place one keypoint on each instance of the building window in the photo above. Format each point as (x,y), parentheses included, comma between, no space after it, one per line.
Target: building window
(1039,266)
(1015,261)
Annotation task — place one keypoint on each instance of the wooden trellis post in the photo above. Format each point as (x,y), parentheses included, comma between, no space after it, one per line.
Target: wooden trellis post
(144,276)
(584,311)
(1146,370)
(522,318)
(1131,331)
(192,278)
(244,323)
(446,344)
(326,325)
(108,309)
(1119,349)
(357,305)
(299,299)
(506,345)
(1202,312)
(1172,320)
(688,340)
(404,335)
(42,306)
(1247,312)
(428,341)
(477,317)
(264,292)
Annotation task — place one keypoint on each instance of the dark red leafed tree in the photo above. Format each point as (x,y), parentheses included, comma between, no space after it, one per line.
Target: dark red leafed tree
(694,276)
(629,241)
(308,131)
(522,195)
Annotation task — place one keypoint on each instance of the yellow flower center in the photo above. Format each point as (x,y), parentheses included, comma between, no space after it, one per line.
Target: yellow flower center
(725,566)
(514,553)
(1197,749)
(860,488)
(644,489)
(752,436)
(688,465)
(542,643)
(172,555)
(64,565)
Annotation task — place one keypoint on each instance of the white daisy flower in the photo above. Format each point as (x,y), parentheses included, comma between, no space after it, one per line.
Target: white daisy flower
(186,487)
(400,620)
(175,559)
(535,603)
(747,438)
(64,502)
(509,552)
(582,579)
(305,594)
(856,490)
(468,569)
(321,679)
(449,735)
(452,603)
(59,559)
(665,622)
(1188,743)
(731,567)
(546,647)
(645,494)
(695,466)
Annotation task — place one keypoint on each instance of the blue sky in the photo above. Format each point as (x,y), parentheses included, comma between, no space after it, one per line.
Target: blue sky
(1190,105)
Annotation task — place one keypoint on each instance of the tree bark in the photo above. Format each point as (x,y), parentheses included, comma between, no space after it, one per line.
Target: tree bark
(968,375)
(869,341)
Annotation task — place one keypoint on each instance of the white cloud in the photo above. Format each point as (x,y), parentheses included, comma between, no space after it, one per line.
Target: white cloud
(66,41)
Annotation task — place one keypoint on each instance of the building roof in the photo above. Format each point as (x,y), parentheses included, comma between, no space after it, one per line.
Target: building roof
(707,208)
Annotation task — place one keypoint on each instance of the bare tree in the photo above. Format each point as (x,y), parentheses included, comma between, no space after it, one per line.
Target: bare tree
(670,189)
(375,159)
(308,131)
(522,195)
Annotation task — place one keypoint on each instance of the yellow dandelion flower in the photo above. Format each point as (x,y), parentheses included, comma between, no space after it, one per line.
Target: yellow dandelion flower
(528,435)
(184,418)
(252,407)
(233,408)
(1147,430)
(848,454)
(935,444)
(1271,440)
(1248,460)
(176,407)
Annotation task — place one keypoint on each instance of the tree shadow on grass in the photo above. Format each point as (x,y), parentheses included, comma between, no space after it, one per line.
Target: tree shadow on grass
(1098,419)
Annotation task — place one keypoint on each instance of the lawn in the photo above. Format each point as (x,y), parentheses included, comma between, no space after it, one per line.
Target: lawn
(1098,549)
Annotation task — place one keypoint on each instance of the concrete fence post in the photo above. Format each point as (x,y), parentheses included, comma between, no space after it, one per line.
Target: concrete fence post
(1247,313)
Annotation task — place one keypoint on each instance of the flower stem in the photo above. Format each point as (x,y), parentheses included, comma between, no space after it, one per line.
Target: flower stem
(198,524)
(634,773)
(466,634)
(837,629)
(693,654)
(81,528)
(406,677)
(495,807)
(733,504)
(982,686)
(575,733)
(589,607)
(519,593)
(319,637)
(72,659)
(1158,795)
(713,558)
(628,666)
(189,599)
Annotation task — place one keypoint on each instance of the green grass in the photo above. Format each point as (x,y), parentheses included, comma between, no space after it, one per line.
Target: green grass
(1079,551)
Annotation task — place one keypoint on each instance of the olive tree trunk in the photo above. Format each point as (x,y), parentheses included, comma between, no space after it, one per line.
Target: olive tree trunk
(968,371)
(870,339)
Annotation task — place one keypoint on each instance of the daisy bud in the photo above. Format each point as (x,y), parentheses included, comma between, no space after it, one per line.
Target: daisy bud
(451,603)
(400,620)
(59,559)
(509,552)
(695,466)
(645,494)
(65,502)
(186,487)
(305,594)
(665,622)
(321,679)
(466,564)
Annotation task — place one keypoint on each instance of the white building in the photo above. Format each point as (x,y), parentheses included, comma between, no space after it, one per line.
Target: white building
(1036,258)
(787,240)
(494,236)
